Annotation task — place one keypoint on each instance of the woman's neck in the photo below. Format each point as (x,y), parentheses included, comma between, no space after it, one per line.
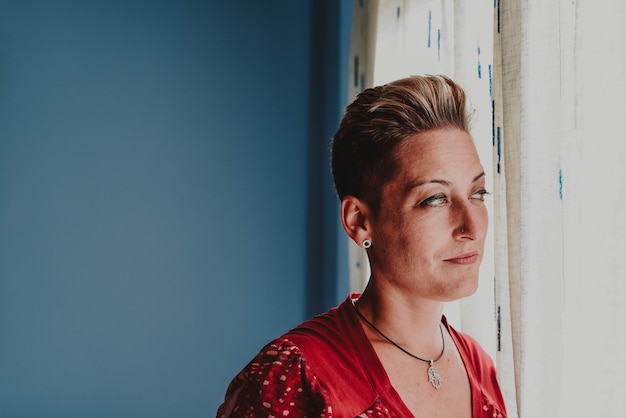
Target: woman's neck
(409,321)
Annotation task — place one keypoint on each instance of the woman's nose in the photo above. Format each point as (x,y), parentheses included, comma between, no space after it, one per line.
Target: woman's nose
(468,222)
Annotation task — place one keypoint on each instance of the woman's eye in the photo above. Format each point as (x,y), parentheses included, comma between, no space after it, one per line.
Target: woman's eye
(480,194)
(436,200)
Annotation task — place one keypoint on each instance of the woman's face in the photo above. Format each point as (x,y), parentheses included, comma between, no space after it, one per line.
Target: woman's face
(429,236)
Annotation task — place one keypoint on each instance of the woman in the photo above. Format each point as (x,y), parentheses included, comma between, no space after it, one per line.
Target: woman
(411,188)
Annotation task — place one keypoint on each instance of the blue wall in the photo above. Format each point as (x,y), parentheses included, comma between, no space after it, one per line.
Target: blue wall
(165,203)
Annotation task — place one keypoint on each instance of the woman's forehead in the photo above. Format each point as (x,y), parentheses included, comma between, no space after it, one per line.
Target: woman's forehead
(435,153)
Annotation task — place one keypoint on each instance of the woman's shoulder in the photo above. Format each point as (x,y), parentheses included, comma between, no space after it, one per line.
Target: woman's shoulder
(317,361)
(277,381)
(324,331)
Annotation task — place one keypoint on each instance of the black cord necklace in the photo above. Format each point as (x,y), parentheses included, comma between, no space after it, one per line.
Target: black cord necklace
(434,378)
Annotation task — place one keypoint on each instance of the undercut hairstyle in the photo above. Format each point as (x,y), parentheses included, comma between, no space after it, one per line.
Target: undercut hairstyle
(380,119)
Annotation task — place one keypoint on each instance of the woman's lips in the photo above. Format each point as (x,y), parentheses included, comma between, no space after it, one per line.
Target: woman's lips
(463,259)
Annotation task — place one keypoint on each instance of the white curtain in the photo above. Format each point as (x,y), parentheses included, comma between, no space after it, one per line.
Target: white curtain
(547,79)
(559,83)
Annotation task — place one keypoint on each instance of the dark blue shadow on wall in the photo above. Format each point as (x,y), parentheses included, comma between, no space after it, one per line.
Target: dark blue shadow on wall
(327,271)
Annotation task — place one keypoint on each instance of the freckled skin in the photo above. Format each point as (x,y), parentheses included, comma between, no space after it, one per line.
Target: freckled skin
(430,215)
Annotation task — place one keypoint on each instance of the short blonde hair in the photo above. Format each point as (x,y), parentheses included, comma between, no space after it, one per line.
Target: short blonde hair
(380,119)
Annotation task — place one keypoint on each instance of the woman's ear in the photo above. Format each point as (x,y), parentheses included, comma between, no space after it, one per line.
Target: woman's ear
(355,218)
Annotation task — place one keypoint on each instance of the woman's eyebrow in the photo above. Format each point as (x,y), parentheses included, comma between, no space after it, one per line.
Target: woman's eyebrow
(419,183)
(478,177)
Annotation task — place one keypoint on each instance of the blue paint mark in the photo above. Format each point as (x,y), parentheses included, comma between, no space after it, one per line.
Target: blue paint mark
(398,13)
(430,15)
(499,330)
(498,14)
(493,107)
(498,149)
(356,71)
(490,82)
(493,123)
(438,44)
(479,69)
(561,184)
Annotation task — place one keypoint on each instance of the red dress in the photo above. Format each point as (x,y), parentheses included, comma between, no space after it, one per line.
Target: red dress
(326,367)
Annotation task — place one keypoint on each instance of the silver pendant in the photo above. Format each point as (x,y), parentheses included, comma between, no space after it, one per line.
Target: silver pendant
(433,376)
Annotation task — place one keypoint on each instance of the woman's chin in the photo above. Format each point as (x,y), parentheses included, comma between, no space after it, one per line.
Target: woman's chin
(463,290)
